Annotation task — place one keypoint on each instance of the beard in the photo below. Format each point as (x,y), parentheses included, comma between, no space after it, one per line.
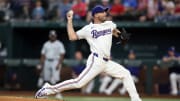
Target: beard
(102,19)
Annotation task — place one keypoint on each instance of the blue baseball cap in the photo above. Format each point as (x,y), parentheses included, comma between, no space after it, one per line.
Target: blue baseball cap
(98,9)
(171,49)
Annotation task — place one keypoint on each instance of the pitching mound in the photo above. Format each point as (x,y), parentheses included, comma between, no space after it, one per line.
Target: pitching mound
(10,98)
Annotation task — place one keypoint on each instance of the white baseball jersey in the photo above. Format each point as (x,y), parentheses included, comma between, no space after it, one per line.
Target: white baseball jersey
(53,50)
(95,33)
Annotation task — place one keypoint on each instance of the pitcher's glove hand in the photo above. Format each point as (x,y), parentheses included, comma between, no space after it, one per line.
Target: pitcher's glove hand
(124,37)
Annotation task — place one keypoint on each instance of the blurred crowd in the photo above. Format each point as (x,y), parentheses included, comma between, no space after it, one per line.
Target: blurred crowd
(123,10)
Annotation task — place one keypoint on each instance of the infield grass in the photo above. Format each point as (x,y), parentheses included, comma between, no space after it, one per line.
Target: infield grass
(80,98)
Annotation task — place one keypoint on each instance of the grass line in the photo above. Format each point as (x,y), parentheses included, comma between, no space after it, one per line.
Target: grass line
(80,98)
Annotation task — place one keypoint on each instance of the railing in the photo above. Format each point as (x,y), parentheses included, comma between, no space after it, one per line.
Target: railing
(148,84)
(57,24)
(70,62)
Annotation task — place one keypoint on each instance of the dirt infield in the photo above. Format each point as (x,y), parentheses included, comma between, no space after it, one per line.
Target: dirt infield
(11,98)
(26,95)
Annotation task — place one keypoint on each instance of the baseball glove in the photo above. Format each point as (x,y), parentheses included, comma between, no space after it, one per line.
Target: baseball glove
(124,37)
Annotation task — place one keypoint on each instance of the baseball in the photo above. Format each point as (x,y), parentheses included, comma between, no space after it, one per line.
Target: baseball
(39,67)
(71,12)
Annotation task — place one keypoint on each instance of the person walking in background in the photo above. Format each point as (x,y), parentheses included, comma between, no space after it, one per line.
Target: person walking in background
(52,55)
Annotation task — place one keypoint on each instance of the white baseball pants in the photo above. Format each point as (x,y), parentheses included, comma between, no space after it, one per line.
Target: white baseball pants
(50,73)
(174,79)
(95,65)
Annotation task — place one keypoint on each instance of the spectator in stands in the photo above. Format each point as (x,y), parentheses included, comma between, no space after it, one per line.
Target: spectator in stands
(38,12)
(153,9)
(53,4)
(63,8)
(80,10)
(174,71)
(130,5)
(5,12)
(130,10)
(142,5)
(142,9)
(21,8)
(78,67)
(117,10)
(91,4)
(16,8)
(52,11)
(169,8)
(169,13)
(26,5)
(177,8)
(106,3)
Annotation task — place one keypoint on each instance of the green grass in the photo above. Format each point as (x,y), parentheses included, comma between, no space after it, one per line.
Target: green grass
(80,98)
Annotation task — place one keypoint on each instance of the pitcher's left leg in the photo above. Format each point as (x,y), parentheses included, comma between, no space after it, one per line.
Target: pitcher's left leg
(118,71)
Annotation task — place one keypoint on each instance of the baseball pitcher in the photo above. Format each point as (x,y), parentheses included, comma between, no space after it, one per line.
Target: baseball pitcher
(99,36)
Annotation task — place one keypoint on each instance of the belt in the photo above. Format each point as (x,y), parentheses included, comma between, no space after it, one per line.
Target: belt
(105,59)
(50,59)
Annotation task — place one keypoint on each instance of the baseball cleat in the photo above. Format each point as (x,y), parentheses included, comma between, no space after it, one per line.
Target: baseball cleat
(43,92)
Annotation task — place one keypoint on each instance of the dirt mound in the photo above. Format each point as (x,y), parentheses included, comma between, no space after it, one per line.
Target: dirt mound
(11,98)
